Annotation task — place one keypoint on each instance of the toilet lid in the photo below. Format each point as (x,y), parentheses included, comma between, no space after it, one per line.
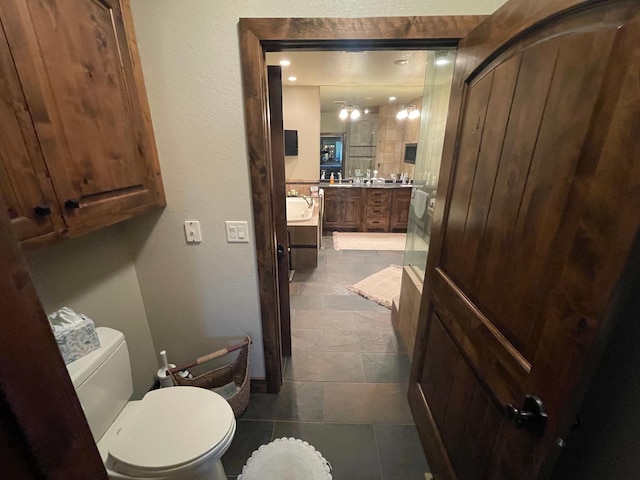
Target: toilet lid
(172,427)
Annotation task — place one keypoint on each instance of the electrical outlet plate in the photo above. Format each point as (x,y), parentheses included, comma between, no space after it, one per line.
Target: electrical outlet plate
(237,231)
(192,231)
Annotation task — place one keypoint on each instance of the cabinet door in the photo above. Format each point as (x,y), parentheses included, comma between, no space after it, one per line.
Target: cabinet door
(400,206)
(332,209)
(24,184)
(351,207)
(78,73)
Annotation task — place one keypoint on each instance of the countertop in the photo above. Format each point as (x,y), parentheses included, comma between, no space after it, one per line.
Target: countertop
(375,185)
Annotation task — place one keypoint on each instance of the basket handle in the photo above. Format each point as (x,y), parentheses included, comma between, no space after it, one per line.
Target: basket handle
(211,356)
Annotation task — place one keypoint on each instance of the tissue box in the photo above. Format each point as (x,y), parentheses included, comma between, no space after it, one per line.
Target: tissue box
(75,334)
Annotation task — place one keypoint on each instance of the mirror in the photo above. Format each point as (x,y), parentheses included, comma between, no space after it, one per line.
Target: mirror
(331,155)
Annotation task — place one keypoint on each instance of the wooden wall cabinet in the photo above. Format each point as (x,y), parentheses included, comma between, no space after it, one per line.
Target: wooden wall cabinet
(367,209)
(77,151)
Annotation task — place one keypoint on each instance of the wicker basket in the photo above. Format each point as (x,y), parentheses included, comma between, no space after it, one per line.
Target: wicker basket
(236,372)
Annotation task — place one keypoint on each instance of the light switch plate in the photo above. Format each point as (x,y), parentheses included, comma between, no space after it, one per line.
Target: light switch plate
(192,231)
(237,231)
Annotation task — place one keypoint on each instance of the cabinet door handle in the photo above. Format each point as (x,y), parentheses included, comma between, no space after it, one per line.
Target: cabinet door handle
(42,210)
(71,204)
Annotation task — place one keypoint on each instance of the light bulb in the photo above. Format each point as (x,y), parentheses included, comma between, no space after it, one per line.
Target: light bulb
(414,113)
(402,114)
(343,114)
(355,114)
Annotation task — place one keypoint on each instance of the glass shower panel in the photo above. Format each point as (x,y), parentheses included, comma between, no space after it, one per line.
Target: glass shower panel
(433,120)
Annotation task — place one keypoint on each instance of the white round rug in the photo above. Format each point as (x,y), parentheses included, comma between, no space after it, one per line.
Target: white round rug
(286,459)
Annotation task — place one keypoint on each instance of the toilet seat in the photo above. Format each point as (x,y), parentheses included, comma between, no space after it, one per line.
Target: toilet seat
(170,430)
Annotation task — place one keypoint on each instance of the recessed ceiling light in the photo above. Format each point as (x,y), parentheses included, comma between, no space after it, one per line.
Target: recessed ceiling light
(368,98)
(285,63)
(292,78)
(400,61)
(442,61)
(392,99)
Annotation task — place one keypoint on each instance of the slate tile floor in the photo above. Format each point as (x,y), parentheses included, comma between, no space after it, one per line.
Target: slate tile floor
(345,385)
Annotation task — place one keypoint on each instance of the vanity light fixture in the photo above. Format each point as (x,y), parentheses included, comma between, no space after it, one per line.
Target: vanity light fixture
(408,111)
(349,111)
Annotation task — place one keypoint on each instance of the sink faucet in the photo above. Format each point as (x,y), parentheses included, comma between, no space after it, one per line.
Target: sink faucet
(339,177)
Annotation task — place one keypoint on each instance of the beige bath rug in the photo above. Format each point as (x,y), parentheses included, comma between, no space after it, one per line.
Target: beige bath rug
(381,287)
(369,241)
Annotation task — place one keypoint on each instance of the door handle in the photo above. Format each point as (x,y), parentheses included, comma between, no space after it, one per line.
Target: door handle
(531,417)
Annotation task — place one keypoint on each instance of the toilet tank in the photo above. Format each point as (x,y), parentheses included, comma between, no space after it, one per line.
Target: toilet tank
(102,380)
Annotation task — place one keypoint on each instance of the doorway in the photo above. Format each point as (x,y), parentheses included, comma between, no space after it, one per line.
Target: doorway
(258,36)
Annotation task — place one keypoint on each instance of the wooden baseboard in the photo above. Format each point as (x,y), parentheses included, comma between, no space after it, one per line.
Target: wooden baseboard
(430,438)
(258,385)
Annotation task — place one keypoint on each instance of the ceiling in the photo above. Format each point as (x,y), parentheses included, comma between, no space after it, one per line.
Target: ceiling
(365,79)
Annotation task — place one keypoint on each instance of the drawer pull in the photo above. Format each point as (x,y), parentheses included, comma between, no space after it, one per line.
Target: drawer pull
(42,210)
(71,204)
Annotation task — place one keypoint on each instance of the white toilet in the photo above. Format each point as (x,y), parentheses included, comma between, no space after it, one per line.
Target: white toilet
(176,433)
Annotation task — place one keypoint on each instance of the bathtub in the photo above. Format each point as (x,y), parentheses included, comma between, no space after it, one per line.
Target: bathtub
(298,210)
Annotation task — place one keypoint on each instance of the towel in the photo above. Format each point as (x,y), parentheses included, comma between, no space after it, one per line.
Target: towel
(419,202)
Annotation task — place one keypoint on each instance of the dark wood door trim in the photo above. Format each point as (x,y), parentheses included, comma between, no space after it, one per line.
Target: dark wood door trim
(258,35)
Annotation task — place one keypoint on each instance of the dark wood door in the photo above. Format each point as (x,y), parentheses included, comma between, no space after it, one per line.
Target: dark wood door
(43,431)
(24,181)
(75,63)
(536,221)
(274,78)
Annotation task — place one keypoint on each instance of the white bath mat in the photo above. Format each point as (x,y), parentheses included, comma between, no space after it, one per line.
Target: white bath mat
(381,287)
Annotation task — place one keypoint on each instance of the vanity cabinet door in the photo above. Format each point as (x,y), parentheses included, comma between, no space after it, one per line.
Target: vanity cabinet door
(78,65)
(342,208)
(400,205)
(351,206)
(24,184)
(332,206)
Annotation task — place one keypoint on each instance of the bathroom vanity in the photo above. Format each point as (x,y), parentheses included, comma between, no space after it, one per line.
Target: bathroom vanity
(375,208)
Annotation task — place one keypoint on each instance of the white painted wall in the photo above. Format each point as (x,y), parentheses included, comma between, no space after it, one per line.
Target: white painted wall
(301,112)
(330,123)
(190,58)
(95,275)
(191,294)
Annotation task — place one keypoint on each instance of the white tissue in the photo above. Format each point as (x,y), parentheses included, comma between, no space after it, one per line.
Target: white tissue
(75,334)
